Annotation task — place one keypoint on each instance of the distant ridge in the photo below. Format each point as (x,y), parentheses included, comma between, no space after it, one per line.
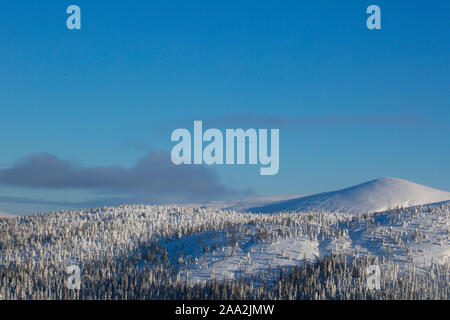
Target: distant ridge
(372,196)
(6,215)
(245,204)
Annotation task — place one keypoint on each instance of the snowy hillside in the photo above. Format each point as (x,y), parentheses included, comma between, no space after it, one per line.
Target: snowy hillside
(170,252)
(416,236)
(373,196)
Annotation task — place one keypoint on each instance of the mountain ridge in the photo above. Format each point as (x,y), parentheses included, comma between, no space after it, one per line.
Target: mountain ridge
(5,215)
(371,196)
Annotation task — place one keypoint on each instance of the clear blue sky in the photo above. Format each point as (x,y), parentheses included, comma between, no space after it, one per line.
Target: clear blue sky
(351,104)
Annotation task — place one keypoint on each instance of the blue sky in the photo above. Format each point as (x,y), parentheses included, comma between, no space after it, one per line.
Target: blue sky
(352,104)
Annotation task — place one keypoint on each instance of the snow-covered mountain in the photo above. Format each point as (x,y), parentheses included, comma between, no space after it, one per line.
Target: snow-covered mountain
(245,204)
(373,196)
(155,247)
(161,248)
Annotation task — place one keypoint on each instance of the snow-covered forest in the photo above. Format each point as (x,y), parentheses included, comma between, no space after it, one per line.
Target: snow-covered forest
(170,252)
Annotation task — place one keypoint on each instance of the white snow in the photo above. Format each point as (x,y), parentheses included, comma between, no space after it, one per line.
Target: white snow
(417,235)
(250,258)
(414,236)
(373,196)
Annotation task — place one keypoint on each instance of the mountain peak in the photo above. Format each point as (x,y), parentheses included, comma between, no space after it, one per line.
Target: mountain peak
(375,195)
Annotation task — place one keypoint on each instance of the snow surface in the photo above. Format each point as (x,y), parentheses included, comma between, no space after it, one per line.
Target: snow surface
(245,260)
(417,236)
(373,196)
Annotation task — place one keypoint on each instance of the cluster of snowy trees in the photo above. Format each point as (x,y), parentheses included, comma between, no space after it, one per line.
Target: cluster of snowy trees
(123,254)
(333,277)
